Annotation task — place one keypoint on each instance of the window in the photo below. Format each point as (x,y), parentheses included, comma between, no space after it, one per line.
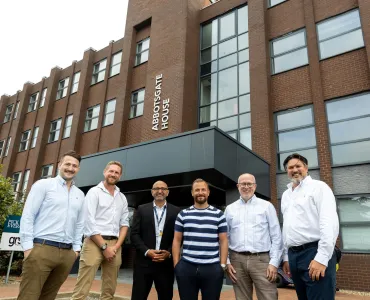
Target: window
(142,51)
(224,71)
(137,103)
(92,118)
(340,34)
(2,144)
(25,184)
(7,146)
(8,113)
(23,145)
(34,137)
(275,2)
(295,132)
(16,110)
(75,81)
(43,97)
(62,88)
(110,107)
(67,127)
(99,71)
(115,64)
(33,102)
(47,171)
(54,130)
(16,182)
(289,52)
(354,216)
(349,123)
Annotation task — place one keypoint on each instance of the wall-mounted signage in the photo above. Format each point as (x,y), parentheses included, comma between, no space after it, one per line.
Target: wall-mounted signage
(161,109)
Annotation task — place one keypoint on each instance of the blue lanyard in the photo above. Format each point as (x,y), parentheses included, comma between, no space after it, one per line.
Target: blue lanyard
(156,215)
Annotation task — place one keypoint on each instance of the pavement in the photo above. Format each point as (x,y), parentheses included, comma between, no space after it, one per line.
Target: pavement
(10,291)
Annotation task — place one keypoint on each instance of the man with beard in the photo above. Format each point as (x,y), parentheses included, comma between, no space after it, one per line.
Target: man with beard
(105,230)
(255,245)
(310,232)
(203,230)
(152,235)
(51,231)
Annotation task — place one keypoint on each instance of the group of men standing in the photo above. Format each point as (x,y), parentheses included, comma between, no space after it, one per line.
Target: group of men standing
(196,245)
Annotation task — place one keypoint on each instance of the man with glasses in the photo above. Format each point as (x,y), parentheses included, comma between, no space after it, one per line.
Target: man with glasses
(310,231)
(255,244)
(152,235)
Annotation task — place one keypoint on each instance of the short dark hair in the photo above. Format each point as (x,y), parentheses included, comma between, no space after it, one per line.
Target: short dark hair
(296,156)
(71,153)
(198,180)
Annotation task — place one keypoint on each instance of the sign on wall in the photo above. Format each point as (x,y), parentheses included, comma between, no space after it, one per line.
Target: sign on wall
(10,240)
(161,109)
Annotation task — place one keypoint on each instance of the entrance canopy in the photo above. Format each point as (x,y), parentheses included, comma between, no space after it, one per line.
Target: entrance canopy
(206,153)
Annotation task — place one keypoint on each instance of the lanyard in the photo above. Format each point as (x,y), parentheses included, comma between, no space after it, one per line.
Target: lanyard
(156,215)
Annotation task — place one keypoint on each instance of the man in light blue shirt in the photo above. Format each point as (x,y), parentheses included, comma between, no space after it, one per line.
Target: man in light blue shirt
(51,231)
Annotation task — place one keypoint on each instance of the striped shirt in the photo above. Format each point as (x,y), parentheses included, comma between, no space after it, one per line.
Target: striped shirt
(200,229)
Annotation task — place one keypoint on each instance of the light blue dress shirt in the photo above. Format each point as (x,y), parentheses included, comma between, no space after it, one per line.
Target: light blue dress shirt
(53,213)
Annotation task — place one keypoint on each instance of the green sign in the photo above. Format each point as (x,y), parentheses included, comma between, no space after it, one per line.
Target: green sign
(12,224)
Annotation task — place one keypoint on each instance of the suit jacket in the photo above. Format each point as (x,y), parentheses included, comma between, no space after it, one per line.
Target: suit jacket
(143,233)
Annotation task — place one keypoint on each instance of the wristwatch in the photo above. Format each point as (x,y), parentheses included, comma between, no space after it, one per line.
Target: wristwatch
(224,267)
(103,247)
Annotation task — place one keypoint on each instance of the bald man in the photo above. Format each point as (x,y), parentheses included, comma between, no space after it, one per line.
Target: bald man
(152,235)
(255,243)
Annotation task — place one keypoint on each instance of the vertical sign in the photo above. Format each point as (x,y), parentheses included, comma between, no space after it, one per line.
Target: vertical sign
(160,116)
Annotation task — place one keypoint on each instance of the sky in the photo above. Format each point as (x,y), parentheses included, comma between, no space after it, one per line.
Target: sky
(37,35)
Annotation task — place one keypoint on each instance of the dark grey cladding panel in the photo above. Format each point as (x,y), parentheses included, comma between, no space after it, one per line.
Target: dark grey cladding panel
(92,166)
(202,150)
(226,155)
(351,180)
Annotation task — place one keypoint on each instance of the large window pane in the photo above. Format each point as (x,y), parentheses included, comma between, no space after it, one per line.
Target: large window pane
(295,118)
(208,68)
(351,153)
(246,137)
(290,61)
(244,103)
(244,83)
(243,19)
(228,124)
(245,120)
(227,47)
(228,61)
(209,54)
(303,138)
(243,55)
(227,26)
(209,34)
(289,43)
(310,154)
(243,41)
(228,83)
(356,238)
(208,113)
(350,130)
(356,209)
(350,107)
(208,91)
(228,108)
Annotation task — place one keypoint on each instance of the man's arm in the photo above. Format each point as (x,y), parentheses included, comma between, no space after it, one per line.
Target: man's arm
(33,203)
(136,238)
(224,247)
(123,223)
(176,247)
(77,238)
(276,250)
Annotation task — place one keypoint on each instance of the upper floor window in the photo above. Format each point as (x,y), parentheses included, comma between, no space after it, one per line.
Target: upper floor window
(67,126)
(349,123)
(340,34)
(16,182)
(115,64)
(47,171)
(275,2)
(34,137)
(295,132)
(33,102)
(8,113)
(289,52)
(92,118)
(54,130)
(75,81)
(8,142)
(25,137)
(2,145)
(99,71)
(26,177)
(62,88)
(16,110)
(142,51)
(137,103)
(43,97)
(110,107)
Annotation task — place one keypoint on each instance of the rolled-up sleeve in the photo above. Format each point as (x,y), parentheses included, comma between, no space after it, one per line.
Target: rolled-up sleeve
(31,209)
(124,221)
(77,238)
(91,203)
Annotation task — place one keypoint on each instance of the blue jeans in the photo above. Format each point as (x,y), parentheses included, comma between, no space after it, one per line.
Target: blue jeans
(324,288)
(191,278)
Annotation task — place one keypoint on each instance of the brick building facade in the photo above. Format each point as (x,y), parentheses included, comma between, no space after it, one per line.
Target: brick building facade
(277,75)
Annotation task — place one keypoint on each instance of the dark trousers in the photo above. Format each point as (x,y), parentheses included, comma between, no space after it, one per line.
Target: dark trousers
(323,289)
(191,278)
(161,274)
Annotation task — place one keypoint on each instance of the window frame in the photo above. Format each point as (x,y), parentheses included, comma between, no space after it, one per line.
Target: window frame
(25,180)
(269,3)
(52,131)
(95,74)
(137,103)
(32,104)
(137,53)
(16,110)
(2,147)
(43,168)
(16,184)
(62,91)
(113,65)
(67,126)
(8,114)
(109,113)
(8,142)
(24,142)
(43,97)
(75,83)
(35,134)
(92,118)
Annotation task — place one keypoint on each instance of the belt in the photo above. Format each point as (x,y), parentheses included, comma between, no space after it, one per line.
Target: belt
(109,237)
(52,243)
(252,253)
(304,246)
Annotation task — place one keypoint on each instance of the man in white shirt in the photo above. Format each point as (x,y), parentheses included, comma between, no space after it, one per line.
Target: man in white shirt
(106,212)
(255,244)
(310,232)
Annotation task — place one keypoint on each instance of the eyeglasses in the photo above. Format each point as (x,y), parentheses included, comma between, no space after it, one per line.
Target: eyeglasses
(246,184)
(159,189)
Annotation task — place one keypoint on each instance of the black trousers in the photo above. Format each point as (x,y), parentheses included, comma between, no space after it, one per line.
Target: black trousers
(160,273)
(191,278)
(323,289)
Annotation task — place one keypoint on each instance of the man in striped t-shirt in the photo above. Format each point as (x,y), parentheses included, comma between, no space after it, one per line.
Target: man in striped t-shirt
(203,230)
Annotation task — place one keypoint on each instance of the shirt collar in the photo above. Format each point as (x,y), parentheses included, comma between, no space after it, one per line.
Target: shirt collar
(154,205)
(249,201)
(101,186)
(62,181)
(303,182)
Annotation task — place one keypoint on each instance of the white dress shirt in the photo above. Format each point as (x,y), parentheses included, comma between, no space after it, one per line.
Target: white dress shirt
(253,226)
(105,214)
(159,228)
(310,215)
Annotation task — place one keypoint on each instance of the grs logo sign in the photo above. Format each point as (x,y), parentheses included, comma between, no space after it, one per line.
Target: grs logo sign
(14,241)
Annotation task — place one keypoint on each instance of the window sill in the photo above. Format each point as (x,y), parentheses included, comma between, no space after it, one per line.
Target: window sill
(73,93)
(140,64)
(67,137)
(135,117)
(53,141)
(97,82)
(90,130)
(6,122)
(22,151)
(60,98)
(114,75)
(290,70)
(340,54)
(277,4)
(108,125)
